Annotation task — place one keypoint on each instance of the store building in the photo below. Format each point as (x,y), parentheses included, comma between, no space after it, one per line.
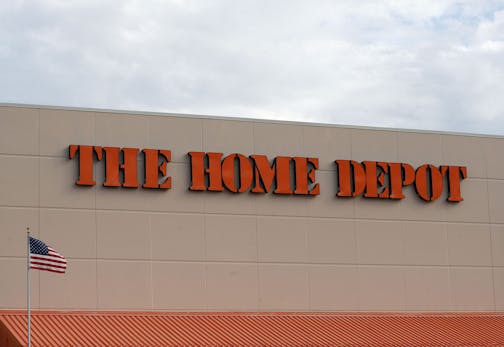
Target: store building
(176,213)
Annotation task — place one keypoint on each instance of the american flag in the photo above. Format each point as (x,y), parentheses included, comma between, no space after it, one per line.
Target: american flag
(43,257)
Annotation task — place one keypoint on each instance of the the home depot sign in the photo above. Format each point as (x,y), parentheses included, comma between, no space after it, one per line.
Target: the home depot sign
(259,174)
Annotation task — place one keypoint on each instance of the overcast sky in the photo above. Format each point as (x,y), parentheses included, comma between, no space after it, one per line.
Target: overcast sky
(416,64)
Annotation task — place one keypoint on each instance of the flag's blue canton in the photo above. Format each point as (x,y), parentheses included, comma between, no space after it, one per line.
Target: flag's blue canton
(38,247)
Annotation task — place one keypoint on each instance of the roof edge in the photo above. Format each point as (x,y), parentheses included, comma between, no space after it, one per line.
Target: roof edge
(258,313)
(243,119)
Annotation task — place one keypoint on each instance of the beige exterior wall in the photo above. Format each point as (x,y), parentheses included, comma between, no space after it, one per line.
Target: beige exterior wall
(197,251)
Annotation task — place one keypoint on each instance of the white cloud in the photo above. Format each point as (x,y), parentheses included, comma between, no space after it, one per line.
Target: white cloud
(429,64)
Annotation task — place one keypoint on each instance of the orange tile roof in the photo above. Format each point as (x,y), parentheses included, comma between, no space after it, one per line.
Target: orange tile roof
(252,329)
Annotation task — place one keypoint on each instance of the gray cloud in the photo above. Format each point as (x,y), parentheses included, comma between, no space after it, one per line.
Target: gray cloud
(430,65)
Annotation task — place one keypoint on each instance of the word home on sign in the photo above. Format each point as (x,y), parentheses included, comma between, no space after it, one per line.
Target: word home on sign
(256,173)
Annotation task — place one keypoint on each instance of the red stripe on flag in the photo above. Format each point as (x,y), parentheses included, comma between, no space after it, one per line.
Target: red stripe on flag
(48,264)
(48,269)
(46,258)
(54,253)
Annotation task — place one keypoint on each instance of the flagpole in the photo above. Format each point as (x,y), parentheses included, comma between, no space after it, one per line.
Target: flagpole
(28,284)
